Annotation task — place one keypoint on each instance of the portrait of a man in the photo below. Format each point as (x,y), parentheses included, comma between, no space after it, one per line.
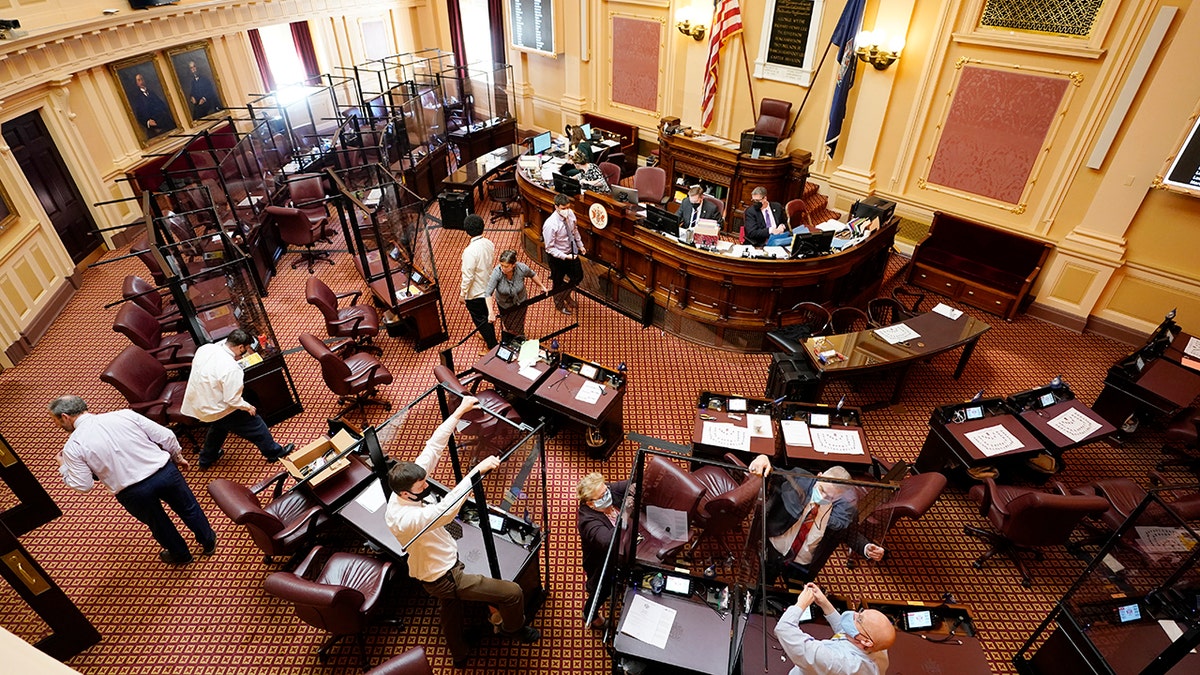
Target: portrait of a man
(148,106)
(194,73)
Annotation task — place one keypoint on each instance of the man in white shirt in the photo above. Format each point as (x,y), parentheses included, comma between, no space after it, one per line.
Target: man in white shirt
(139,460)
(433,553)
(478,261)
(214,396)
(564,246)
(858,647)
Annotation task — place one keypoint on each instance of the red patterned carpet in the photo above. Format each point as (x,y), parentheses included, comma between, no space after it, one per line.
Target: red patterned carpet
(213,615)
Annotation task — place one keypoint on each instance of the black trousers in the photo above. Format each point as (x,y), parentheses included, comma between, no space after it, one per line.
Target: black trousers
(563,275)
(478,310)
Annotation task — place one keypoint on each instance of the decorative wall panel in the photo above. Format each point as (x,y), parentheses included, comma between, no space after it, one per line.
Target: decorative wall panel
(636,54)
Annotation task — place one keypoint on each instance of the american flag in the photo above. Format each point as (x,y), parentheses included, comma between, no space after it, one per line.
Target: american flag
(726,23)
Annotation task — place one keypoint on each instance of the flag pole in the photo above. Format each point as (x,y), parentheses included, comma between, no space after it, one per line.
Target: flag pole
(749,77)
(811,83)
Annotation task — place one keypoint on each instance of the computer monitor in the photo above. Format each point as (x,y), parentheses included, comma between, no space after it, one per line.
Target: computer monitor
(540,143)
(662,220)
(625,194)
(811,243)
(379,460)
(586,129)
(567,185)
(763,146)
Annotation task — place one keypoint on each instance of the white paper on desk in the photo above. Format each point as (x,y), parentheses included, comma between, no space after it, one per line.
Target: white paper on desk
(723,245)
(897,332)
(735,250)
(836,441)
(947,311)
(372,498)
(529,372)
(994,440)
(648,621)
(1171,628)
(528,355)
(832,225)
(759,426)
(590,392)
(795,432)
(1074,425)
(1159,539)
(668,524)
(1192,348)
(373,197)
(725,435)
(777,251)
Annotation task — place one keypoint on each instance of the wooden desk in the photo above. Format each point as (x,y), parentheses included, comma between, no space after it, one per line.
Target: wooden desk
(341,486)
(1038,422)
(420,309)
(470,176)
(759,445)
(505,375)
(808,457)
(1162,388)
(482,137)
(865,352)
(947,446)
(700,640)
(557,393)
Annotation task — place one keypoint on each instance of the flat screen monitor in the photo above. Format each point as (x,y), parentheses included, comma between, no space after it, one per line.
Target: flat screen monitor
(567,185)
(811,244)
(625,194)
(660,219)
(586,129)
(763,146)
(379,461)
(541,143)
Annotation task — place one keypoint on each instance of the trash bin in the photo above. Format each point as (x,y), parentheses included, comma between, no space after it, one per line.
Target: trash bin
(455,207)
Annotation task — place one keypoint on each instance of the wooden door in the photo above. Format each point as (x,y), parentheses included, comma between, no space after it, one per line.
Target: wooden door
(35,152)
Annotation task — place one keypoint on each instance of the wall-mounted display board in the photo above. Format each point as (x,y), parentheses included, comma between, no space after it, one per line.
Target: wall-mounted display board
(787,55)
(1184,174)
(532,23)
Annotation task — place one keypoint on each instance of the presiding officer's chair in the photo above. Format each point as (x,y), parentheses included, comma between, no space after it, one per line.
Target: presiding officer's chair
(411,662)
(1027,520)
(358,322)
(295,229)
(356,378)
(281,527)
(340,598)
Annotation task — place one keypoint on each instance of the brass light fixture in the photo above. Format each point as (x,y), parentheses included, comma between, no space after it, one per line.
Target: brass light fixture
(877,49)
(693,30)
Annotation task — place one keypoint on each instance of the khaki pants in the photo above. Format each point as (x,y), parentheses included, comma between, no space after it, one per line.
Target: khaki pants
(455,587)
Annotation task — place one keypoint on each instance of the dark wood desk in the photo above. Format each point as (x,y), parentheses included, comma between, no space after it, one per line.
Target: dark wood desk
(1038,422)
(420,308)
(1161,388)
(704,414)
(481,137)
(505,375)
(865,352)
(470,176)
(947,446)
(557,394)
(341,486)
(700,640)
(808,457)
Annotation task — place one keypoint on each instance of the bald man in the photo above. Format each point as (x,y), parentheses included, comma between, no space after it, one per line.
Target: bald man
(858,647)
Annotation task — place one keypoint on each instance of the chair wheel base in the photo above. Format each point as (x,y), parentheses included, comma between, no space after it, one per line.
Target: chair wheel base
(977,565)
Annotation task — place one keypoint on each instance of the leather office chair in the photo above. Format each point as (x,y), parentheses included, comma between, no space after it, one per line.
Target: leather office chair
(917,494)
(668,486)
(172,351)
(295,229)
(797,215)
(885,312)
(612,172)
(142,380)
(340,599)
(503,191)
(1182,441)
(143,294)
(802,321)
(1123,496)
(1027,520)
(411,662)
(281,527)
(909,298)
(720,206)
(356,378)
(306,192)
(141,247)
(729,497)
(848,320)
(485,434)
(651,184)
(358,322)
(773,116)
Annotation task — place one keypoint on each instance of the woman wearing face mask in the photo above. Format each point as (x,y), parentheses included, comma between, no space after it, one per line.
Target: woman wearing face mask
(599,508)
(506,290)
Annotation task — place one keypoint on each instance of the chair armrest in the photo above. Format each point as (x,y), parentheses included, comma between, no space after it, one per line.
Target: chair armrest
(356,319)
(1059,488)
(364,376)
(172,348)
(305,520)
(471,382)
(350,294)
(278,479)
(302,569)
(985,504)
(145,407)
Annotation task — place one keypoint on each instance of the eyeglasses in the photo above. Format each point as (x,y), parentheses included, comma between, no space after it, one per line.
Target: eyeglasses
(859,623)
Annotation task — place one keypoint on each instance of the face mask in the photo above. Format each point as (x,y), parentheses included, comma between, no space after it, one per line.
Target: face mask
(603,502)
(849,628)
(420,496)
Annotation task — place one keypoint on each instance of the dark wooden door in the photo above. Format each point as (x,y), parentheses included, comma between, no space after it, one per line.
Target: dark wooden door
(38,157)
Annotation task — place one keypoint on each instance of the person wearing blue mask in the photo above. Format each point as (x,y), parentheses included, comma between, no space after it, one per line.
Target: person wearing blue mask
(599,508)
(806,520)
(859,645)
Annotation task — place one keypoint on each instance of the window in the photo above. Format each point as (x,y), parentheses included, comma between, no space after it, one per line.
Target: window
(282,57)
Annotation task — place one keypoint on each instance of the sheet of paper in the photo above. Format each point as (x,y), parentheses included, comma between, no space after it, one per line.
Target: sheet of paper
(648,621)
(529,372)
(1159,539)
(836,441)
(590,392)
(724,245)
(737,250)
(1074,425)
(1172,629)
(372,498)
(760,426)
(994,440)
(831,226)
(669,524)
(528,355)
(795,432)
(898,332)
(777,251)
(947,311)
(725,435)
(1192,348)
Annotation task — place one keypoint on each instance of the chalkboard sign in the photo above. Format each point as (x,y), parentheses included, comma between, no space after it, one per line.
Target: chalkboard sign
(532,24)
(789,32)
(1184,174)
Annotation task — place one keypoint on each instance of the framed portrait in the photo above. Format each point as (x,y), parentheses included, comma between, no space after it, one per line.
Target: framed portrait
(192,66)
(146,101)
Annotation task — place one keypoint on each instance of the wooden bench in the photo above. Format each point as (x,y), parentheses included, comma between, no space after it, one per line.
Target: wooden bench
(628,134)
(978,265)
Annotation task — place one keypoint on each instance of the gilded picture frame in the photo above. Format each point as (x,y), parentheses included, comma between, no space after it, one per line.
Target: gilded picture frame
(197,81)
(147,102)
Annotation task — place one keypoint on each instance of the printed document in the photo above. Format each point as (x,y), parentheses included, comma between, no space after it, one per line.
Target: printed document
(529,372)
(648,621)
(725,435)
(836,441)
(994,440)
(669,524)
(947,311)
(898,332)
(1074,425)
(589,393)
(795,432)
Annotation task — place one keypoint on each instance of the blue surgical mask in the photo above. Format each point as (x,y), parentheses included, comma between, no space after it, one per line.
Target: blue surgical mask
(848,626)
(603,502)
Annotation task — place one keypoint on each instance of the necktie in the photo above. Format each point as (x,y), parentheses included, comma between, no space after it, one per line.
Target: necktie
(805,527)
(571,237)
(767,215)
(696,213)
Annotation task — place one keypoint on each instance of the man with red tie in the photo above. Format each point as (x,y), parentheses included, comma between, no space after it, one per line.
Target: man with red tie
(807,518)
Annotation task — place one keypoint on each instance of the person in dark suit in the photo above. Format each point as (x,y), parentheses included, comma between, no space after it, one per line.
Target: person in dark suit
(763,218)
(149,109)
(807,519)
(202,93)
(599,508)
(694,207)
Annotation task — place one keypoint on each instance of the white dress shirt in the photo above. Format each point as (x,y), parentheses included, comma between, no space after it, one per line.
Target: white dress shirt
(783,542)
(560,235)
(836,656)
(477,263)
(120,448)
(432,554)
(214,388)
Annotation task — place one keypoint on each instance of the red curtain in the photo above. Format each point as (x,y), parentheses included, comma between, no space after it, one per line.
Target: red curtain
(304,48)
(260,55)
(499,44)
(457,44)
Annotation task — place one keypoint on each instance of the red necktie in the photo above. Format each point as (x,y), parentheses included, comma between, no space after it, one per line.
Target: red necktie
(802,535)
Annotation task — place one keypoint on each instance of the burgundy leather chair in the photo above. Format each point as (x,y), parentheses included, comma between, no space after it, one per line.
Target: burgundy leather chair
(729,497)
(1027,520)
(340,599)
(797,215)
(281,527)
(1123,496)
(358,322)
(487,434)
(612,172)
(172,351)
(356,378)
(411,662)
(917,494)
(668,486)
(1181,441)
(720,206)
(142,380)
(142,293)
(651,184)
(848,320)
(307,193)
(141,247)
(773,116)
(295,229)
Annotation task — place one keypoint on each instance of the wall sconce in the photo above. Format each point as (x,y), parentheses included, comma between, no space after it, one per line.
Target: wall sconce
(877,49)
(693,30)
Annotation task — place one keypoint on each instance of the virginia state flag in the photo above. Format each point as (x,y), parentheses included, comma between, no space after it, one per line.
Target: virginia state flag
(843,37)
